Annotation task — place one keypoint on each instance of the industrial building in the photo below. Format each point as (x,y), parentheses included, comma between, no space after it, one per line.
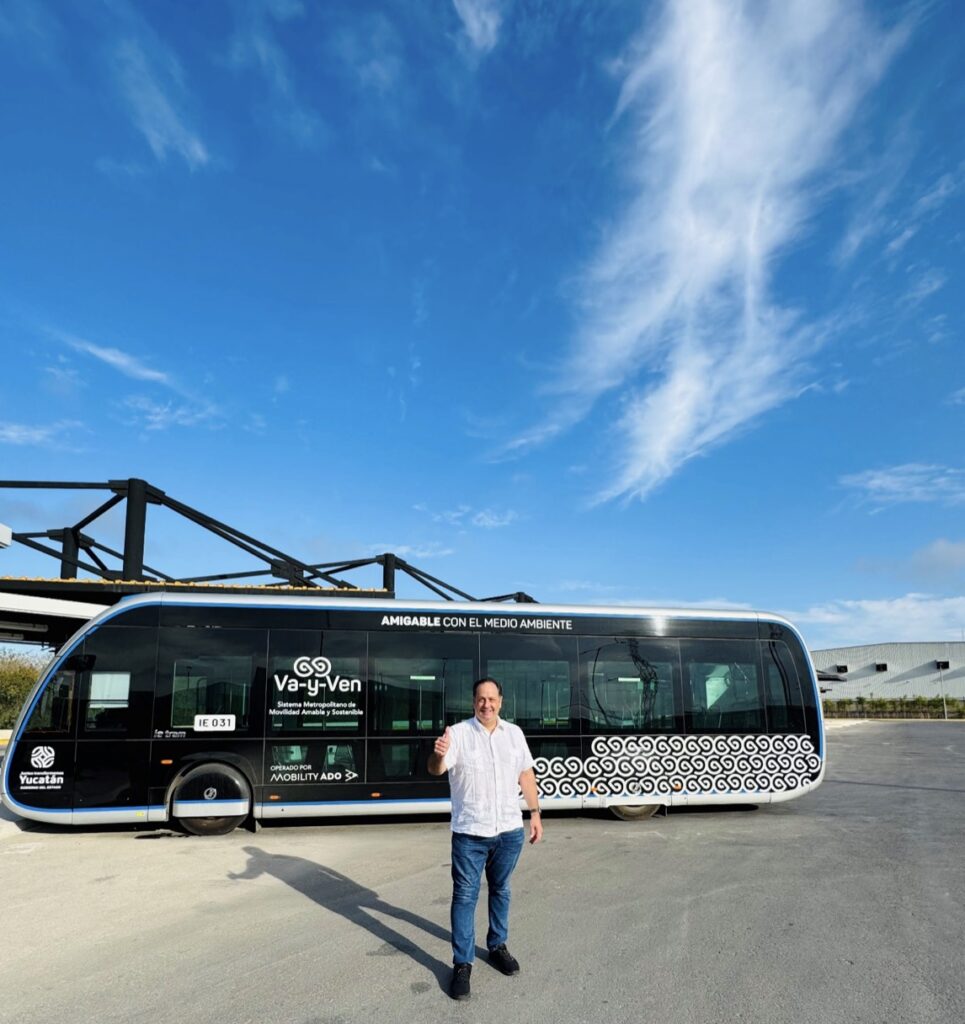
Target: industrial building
(894,671)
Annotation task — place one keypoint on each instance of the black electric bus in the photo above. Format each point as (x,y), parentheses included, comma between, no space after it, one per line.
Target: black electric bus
(207,710)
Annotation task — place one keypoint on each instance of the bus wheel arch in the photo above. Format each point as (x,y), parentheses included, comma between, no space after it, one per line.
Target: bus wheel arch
(634,812)
(210,786)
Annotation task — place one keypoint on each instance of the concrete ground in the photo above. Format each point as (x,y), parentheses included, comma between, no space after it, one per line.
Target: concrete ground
(843,906)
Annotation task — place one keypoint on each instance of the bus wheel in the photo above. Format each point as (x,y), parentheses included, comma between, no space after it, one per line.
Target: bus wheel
(211,800)
(628,812)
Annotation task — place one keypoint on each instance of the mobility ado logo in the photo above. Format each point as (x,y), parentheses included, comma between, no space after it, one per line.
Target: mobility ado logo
(315,676)
(308,773)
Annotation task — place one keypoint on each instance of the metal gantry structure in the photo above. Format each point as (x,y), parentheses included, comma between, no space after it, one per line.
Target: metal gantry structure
(78,551)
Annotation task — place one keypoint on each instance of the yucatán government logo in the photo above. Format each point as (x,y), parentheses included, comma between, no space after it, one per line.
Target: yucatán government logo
(42,757)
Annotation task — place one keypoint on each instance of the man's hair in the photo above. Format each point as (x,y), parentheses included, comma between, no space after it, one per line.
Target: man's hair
(486,679)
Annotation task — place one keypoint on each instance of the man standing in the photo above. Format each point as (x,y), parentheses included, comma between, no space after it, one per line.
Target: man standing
(488,761)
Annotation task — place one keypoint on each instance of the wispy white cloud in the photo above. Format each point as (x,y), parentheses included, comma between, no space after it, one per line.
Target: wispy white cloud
(420,308)
(29,434)
(452,517)
(912,617)
(939,560)
(372,51)
(464,516)
(481,21)
(145,72)
(121,361)
(926,282)
(488,519)
(404,379)
(901,240)
(957,397)
(151,84)
(63,379)
(431,550)
(878,187)
(121,170)
(379,166)
(185,409)
(255,45)
(910,482)
(939,564)
(34,27)
(936,196)
(733,110)
(585,587)
(155,415)
(876,216)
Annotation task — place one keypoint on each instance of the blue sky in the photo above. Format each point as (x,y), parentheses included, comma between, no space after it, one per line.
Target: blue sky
(609,302)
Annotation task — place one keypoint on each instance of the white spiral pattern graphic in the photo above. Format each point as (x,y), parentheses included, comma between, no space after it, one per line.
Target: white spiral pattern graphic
(662,765)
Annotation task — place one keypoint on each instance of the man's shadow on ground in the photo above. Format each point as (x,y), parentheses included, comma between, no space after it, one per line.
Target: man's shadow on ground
(339,894)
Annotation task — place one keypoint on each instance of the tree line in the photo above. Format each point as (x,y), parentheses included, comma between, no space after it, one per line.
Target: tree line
(18,673)
(894,707)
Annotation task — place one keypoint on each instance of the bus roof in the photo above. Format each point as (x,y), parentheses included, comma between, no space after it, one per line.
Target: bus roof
(305,601)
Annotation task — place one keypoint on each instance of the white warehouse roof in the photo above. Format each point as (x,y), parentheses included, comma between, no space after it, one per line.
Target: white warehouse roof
(895,670)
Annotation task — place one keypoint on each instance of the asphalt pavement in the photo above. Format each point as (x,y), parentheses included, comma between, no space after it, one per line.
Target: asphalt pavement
(842,906)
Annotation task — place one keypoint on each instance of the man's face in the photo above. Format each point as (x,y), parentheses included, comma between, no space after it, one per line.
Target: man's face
(487,703)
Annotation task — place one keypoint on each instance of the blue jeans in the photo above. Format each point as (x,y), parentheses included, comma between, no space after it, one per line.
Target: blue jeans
(497,855)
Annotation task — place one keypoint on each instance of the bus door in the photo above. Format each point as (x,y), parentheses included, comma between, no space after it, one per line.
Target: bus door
(209,706)
(419,683)
(315,730)
(115,698)
(41,772)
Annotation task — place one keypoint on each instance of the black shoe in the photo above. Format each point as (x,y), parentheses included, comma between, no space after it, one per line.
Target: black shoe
(503,960)
(459,986)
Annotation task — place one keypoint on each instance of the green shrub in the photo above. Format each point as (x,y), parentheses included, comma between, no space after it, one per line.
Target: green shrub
(18,673)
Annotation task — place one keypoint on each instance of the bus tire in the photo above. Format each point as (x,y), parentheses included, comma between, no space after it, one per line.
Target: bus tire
(197,785)
(630,812)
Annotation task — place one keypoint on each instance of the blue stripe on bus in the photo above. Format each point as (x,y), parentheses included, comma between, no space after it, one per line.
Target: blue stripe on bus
(31,807)
(115,810)
(83,810)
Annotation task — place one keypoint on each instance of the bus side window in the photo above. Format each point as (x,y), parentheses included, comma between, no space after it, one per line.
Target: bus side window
(398,760)
(108,702)
(785,711)
(536,694)
(340,755)
(722,686)
(419,683)
(630,684)
(410,695)
(316,682)
(52,714)
(116,682)
(211,685)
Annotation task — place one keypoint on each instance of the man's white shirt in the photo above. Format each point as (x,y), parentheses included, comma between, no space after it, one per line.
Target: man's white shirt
(484,769)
